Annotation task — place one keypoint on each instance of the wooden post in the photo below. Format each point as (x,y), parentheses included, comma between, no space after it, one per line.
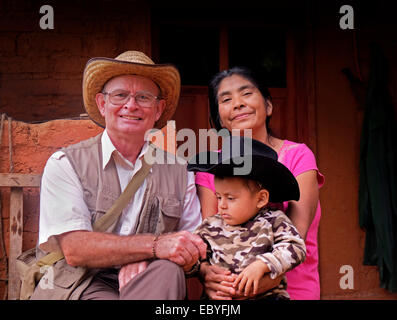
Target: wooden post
(16,232)
(16,181)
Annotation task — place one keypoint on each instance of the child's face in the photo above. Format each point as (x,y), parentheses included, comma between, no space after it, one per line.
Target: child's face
(236,202)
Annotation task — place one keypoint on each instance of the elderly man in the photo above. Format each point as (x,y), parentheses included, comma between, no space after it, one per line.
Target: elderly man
(142,255)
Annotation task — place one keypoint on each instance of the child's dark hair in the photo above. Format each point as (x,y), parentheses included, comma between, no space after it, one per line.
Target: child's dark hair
(252,185)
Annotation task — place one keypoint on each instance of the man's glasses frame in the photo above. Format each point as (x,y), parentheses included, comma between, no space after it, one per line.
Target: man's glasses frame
(142,98)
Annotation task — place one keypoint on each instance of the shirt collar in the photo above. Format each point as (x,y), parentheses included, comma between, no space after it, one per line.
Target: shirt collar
(109,150)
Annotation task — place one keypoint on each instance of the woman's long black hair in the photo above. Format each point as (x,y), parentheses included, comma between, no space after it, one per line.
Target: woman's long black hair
(244,72)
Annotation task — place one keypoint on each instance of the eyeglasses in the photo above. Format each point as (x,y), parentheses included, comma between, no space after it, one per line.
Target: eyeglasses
(142,98)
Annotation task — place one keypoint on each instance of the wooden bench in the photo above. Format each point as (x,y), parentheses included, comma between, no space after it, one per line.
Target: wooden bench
(18,181)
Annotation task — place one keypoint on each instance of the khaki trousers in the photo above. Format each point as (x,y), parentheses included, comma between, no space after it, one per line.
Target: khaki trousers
(162,280)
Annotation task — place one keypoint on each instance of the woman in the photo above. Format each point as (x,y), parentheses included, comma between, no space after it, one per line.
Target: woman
(238,100)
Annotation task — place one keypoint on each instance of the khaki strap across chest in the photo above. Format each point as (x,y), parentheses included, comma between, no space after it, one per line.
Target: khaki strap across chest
(104,222)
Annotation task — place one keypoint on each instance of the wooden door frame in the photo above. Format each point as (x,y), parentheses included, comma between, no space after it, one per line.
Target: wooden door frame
(299,117)
(301,87)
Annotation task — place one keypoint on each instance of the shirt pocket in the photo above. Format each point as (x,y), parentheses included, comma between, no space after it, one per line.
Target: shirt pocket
(99,205)
(61,277)
(169,211)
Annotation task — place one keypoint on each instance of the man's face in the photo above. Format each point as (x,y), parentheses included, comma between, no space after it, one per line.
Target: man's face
(129,118)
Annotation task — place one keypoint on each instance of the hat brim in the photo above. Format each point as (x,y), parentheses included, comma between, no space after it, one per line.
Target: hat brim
(273,175)
(99,70)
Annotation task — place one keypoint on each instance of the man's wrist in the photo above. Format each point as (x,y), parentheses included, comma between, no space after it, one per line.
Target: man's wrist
(194,270)
(154,247)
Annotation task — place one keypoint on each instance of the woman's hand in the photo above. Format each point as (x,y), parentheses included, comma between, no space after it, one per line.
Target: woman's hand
(218,282)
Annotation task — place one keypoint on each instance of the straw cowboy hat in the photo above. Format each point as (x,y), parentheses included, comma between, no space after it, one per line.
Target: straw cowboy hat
(273,175)
(99,70)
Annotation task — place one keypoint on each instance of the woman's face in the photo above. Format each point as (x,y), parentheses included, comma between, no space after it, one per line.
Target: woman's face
(242,106)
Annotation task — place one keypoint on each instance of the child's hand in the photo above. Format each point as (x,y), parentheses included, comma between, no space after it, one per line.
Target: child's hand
(250,276)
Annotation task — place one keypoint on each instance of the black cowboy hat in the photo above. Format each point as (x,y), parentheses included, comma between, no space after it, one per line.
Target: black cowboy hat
(251,159)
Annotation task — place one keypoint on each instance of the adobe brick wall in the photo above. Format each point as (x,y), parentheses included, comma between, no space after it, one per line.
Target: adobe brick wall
(32,144)
(41,70)
(339,125)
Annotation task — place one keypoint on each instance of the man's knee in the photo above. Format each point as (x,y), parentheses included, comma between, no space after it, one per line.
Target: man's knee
(162,280)
(168,269)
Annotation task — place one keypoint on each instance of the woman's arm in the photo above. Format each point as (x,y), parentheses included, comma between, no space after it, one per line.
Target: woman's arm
(208,201)
(302,212)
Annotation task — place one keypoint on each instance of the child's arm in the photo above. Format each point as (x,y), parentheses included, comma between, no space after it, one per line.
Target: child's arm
(250,277)
(289,248)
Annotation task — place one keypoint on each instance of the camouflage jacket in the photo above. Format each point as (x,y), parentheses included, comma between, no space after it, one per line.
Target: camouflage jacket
(269,236)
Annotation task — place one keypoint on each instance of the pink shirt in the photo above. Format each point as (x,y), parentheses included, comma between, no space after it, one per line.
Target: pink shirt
(303,281)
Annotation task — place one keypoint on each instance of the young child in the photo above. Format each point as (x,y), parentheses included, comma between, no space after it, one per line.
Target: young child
(245,236)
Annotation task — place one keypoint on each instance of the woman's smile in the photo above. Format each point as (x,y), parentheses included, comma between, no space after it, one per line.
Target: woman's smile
(241,116)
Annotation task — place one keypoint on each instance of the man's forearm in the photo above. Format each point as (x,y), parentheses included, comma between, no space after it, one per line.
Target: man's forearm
(102,250)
